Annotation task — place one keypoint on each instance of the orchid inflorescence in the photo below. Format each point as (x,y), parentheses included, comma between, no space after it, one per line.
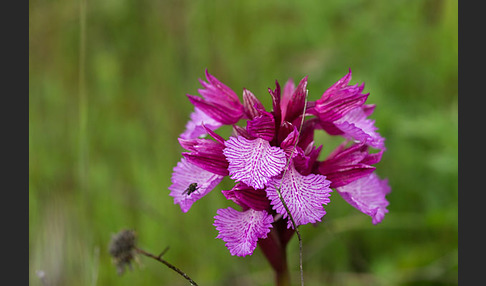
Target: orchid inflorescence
(274,161)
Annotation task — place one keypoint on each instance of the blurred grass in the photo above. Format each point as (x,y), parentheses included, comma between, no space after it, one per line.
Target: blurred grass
(142,57)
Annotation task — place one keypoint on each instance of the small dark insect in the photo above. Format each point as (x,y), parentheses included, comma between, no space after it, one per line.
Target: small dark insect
(191,189)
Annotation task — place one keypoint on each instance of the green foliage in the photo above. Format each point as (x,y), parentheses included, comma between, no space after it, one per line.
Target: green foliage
(142,57)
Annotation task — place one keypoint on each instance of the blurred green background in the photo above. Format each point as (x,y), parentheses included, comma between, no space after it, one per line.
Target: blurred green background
(107,85)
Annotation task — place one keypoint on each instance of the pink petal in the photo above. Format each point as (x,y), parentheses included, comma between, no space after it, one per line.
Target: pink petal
(209,162)
(303,195)
(276,102)
(368,109)
(247,197)
(195,129)
(306,136)
(289,142)
(340,84)
(185,174)
(216,91)
(217,110)
(296,104)
(345,165)
(253,162)
(240,131)
(338,100)
(304,161)
(262,126)
(287,93)
(343,175)
(251,104)
(215,136)
(206,154)
(219,101)
(356,126)
(241,230)
(367,194)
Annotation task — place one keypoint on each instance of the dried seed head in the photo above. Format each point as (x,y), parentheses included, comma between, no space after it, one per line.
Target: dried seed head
(122,249)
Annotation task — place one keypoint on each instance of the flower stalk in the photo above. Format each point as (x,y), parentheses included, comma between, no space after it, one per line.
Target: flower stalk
(123,251)
(159,258)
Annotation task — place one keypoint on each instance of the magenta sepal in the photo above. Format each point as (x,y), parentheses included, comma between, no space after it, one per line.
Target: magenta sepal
(338,100)
(207,154)
(345,165)
(248,197)
(219,101)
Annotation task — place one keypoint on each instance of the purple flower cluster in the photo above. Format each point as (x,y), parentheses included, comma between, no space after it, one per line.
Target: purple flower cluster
(275,153)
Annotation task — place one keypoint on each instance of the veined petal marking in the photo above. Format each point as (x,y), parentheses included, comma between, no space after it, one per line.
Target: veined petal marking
(241,230)
(253,162)
(303,195)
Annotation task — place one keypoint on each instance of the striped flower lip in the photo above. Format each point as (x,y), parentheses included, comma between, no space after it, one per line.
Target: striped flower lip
(271,156)
(253,162)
